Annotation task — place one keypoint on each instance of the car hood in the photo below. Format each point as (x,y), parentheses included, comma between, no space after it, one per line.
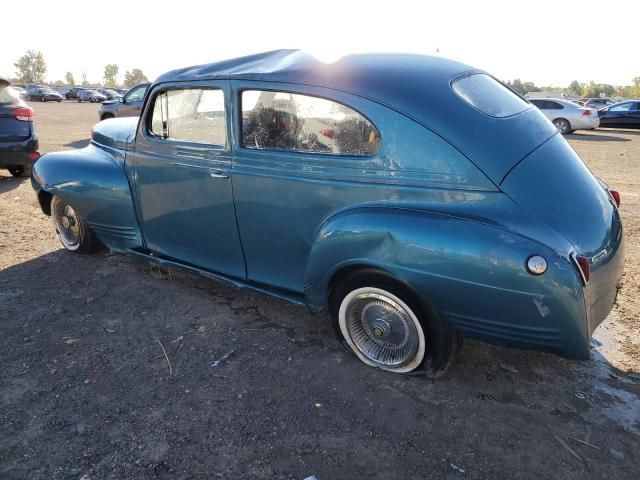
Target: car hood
(115,132)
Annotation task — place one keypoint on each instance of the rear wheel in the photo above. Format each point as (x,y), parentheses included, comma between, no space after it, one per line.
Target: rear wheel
(20,170)
(43,98)
(71,229)
(563,125)
(387,326)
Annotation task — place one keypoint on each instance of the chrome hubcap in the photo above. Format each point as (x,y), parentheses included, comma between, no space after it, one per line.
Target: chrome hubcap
(382,330)
(67,224)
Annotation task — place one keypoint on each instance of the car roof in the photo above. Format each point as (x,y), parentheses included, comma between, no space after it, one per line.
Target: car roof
(559,100)
(417,86)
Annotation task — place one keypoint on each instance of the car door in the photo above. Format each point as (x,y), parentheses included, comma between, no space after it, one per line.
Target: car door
(131,103)
(303,153)
(617,115)
(634,116)
(182,167)
(554,110)
(541,104)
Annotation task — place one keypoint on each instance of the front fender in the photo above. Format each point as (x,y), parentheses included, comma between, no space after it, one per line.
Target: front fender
(472,273)
(94,182)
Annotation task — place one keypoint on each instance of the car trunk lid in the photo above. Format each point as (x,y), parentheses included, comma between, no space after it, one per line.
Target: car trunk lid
(11,128)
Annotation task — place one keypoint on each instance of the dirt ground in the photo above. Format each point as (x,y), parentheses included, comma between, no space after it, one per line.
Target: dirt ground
(86,391)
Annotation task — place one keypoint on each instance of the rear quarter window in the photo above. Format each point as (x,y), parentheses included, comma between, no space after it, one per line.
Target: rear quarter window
(488,95)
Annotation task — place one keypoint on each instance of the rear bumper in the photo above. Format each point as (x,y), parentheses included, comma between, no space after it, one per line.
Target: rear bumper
(19,153)
(602,290)
(586,122)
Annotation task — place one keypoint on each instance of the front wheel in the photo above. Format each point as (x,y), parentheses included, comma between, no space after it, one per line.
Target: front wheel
(20,171)
(71,229)
(387,326)
(43,99)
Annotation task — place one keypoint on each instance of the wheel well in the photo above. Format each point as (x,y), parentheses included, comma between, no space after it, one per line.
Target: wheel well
(44,198)
(340,275)
(107,115)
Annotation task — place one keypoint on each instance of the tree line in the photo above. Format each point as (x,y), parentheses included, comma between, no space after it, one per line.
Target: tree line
(581,89)
(32,68)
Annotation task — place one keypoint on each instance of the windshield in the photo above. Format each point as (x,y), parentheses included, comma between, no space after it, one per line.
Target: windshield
(489,96)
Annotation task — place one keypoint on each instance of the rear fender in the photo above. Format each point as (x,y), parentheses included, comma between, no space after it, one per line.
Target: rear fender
(472,274)
(94,182)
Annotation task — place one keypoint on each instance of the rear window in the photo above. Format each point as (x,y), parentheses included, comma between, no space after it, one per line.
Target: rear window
(489,96)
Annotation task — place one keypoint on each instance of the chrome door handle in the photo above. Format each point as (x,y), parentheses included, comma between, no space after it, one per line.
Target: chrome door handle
(213,173)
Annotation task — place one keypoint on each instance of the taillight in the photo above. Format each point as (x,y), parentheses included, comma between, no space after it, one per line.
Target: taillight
(583,267)
(586,113)
(616,196)
(23,113)
(33,155)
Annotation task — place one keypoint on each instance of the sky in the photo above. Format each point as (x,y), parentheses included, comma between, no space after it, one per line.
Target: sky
(547,42)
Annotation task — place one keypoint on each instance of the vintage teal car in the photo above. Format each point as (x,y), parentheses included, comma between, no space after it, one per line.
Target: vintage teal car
(414,198)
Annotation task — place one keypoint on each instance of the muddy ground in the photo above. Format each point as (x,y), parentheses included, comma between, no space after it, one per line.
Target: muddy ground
(86,390)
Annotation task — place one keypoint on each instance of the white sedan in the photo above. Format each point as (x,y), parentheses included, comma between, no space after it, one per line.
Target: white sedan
(567,116)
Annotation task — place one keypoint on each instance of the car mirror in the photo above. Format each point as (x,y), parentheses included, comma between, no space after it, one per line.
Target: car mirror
(121,100)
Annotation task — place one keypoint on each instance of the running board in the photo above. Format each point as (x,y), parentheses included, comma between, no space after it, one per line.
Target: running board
(287,296)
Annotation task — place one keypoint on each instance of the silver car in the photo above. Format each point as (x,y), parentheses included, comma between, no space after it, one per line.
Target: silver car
(127,106)
(567,116)
(89,95)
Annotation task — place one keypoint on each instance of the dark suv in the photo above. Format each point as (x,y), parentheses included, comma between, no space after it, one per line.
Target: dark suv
(18,137)
(72,93)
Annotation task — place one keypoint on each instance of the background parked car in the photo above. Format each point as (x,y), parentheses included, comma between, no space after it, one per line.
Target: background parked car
(598,103)
(109,93)
(72,93)
(127,106)
(567,116)
(621,115)
(44,94)
(20,91)
(92,96)
(18,137)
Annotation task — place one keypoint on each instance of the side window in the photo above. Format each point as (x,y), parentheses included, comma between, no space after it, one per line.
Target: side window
(136,95)
(302,123)
(623,107)
(190,115)
(555,105)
